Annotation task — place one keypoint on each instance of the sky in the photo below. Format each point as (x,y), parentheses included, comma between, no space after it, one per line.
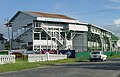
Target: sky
(103,13)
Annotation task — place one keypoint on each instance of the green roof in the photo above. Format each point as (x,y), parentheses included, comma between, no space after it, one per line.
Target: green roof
(114,38)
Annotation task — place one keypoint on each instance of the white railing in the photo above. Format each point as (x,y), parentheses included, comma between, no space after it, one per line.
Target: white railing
(57,36)
(60,38)
(4,59)
(45,57)
(57,57)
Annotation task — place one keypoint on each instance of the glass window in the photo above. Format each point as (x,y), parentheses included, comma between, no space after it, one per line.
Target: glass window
(36,36)
(43,36)
(37,30)
(95,53)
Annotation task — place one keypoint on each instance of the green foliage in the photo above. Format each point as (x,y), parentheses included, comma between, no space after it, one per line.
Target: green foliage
(7,45)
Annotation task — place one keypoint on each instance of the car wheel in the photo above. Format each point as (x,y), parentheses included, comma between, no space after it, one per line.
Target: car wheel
(102,60)
(91,60)
(95,60)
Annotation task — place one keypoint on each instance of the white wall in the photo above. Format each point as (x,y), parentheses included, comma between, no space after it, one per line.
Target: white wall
(78,27)
(69,44)
(44,42)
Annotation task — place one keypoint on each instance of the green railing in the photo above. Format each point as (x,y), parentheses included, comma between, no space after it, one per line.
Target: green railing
(3,52)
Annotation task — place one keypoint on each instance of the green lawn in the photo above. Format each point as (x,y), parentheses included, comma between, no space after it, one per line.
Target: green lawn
(118,75)
(23,64)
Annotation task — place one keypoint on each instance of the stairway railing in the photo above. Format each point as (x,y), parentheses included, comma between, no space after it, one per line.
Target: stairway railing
(57,36)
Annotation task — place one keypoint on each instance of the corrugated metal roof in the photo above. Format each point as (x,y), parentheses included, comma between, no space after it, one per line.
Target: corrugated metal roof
(40,14)
(48,15)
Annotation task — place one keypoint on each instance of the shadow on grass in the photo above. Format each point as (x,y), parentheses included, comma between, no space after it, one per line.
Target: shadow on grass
(82,61)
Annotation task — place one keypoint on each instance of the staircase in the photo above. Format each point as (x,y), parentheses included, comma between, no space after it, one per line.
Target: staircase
(101,39)
(21,34)
(56,35)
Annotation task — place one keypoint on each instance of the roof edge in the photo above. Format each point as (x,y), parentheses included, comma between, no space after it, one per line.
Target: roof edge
(25,12)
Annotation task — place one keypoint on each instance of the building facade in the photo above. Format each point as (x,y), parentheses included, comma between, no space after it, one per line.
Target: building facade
(2,42)
(37,31)
(99,38)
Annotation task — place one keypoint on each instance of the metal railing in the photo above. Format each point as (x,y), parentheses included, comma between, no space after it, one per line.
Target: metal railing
(57,36)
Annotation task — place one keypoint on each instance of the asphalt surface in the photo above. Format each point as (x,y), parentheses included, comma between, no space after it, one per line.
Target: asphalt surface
(111,68)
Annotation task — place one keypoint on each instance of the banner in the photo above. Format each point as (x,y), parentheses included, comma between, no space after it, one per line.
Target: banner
(69,53)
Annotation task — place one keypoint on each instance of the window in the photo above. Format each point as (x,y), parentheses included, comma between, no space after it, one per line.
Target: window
(36,36)
(95,53)
(37,30)
(37,24)
(43,36)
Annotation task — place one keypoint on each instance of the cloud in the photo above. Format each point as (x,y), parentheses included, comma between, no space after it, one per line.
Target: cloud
(117,22)
(115,0)
(112,7)
(57,7)
(113,28)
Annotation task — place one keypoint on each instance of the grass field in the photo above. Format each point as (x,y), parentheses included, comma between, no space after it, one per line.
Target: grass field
(118,75)
(22,64)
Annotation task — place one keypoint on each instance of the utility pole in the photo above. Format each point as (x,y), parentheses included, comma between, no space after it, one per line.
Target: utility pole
(8,24)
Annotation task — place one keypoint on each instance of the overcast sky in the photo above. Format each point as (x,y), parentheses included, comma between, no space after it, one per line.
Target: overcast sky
(103,13)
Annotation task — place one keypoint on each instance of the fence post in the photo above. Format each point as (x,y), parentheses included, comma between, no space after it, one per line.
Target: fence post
(0,60)
(47,55)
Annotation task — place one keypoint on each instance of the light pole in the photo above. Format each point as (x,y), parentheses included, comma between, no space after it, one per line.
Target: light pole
(9,24)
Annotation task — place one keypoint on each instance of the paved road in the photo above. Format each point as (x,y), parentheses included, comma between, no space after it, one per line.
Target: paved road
(110,68)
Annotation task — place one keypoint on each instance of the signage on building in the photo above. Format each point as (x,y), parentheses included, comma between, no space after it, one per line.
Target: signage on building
(69,53)
(57,20)
(17,54)
(50,51)
(78,27)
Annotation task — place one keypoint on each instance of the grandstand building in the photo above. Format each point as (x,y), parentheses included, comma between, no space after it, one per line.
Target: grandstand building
(39,31)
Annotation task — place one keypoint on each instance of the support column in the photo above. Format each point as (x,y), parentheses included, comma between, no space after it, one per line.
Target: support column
(47,41)
(33,26)
(40,39)
(65,39)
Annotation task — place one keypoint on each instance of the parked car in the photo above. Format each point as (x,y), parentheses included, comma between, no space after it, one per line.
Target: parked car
(97,55)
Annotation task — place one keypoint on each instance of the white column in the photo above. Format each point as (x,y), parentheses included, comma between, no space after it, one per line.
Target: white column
(47,55)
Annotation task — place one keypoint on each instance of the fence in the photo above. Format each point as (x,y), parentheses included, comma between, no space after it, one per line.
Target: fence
(45,57)
(4,59)
(86,54)
(3,52)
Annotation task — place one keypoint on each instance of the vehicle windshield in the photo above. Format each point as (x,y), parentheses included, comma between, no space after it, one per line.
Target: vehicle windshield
(95,53)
